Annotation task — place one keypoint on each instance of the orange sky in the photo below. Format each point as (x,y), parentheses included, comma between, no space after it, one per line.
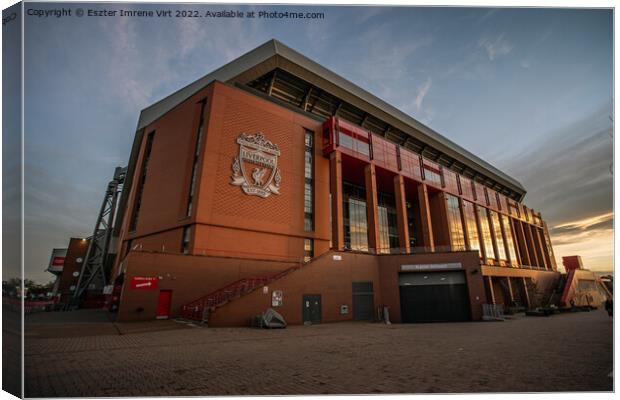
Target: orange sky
(594,244)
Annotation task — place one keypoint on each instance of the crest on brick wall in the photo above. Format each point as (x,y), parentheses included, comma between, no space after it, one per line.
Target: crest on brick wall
(255,169)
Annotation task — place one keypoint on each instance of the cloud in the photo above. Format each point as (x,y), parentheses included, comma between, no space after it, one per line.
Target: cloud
(568,179)
(586,223)
(422,92)
(495,47)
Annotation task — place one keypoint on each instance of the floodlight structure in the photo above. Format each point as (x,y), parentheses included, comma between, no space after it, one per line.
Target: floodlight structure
(93,268)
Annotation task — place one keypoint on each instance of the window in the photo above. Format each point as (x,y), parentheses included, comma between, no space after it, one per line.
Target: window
(472,227)
(432,175)
(485,231)
(355,219)
(455,224)
(432,172)
(141,182)
(388,228)
(309,181)
(185,242)
(354,144)
(509,240)
(497,230)
(308,249)
(192,185)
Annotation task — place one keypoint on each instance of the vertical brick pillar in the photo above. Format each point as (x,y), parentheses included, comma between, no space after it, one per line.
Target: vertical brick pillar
(401,213)
(335,182)
(425,214)
(371,208)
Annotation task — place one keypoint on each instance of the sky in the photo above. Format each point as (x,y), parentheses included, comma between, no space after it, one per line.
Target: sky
(528,90)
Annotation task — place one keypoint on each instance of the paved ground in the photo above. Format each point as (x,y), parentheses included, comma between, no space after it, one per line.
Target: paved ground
(567,352)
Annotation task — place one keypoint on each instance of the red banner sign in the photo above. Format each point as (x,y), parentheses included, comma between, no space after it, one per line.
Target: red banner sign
(58,261)
(144,282)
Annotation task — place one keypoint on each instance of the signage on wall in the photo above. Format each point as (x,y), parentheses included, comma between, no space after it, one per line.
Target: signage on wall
(57,261)
(276,298)
(144,282)
(255,169)
(424,267)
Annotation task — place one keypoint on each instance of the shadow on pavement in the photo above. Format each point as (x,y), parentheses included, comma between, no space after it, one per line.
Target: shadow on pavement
(90,322)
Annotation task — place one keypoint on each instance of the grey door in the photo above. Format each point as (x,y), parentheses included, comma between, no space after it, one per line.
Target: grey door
(363,301)
(311,305)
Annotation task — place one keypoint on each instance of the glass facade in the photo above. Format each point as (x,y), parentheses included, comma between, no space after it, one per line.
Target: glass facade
(486,232)
(432,176)
(185,241)
(192,185)
(499,238)
(309,182)
(355,218)
(388,225)
(308,249)
(510,244)
(472,228)
(141,182)
(354,144)
(455,224)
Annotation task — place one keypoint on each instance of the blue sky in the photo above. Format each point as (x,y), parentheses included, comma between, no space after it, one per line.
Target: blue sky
(528,90)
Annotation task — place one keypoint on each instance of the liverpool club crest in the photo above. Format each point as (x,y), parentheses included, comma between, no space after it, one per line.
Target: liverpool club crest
(255,169)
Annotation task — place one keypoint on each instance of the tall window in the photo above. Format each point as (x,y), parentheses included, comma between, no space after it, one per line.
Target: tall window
(309,181)
(354,219)
(388,228)
(192,185)
(308,249)
(140,188)
(485,231)
(497,230)
(472,227)
(185,241)
(457,236)
(510,244)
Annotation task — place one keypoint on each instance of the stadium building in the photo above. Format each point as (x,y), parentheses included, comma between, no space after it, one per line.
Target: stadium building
(274,182)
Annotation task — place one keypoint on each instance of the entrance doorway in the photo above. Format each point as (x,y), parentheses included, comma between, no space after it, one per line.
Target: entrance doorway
(163,304)
(434,297)
(311,308)
(363,304)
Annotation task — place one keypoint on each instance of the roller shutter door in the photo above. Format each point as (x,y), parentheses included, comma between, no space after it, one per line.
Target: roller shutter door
(434,297)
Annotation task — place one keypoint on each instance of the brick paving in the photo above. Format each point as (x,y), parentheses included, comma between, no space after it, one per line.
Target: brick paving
(567,352)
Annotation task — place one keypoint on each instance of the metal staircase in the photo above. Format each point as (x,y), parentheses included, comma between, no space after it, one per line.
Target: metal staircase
(199,310)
